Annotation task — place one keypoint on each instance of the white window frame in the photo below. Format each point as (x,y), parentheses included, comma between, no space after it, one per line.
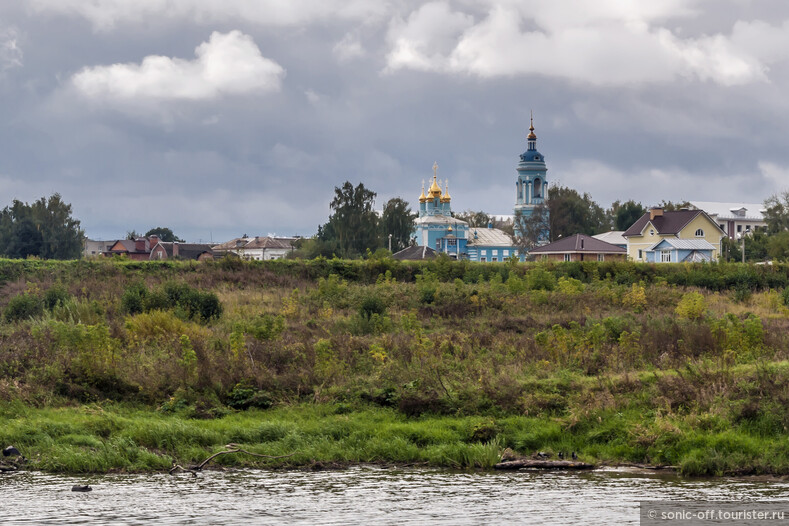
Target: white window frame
(699,232)
(567,257)
(665,256)
(600,257)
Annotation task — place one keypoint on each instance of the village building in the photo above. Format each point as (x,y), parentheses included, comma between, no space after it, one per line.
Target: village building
(257,248)
(579,247)
(656,225)
(735,219)
(148,248)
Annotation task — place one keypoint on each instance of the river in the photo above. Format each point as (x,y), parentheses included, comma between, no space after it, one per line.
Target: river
(359,495)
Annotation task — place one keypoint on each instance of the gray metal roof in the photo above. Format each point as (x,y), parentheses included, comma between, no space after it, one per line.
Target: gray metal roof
(685,244)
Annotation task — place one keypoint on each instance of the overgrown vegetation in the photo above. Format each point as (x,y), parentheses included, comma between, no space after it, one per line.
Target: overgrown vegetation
(666,364)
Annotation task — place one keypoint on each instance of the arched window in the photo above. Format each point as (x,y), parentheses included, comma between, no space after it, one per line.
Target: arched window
(537,188)
(699,233)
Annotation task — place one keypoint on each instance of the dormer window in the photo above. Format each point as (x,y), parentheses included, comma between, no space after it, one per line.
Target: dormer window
(651,232)
(699,233)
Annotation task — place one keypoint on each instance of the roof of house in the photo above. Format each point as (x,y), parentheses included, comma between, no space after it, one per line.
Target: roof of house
(415,252)
(733,211)
(488,237)
(671,222)
(614,237)
(256,242)
(127,244)
(684,244)
(579,243)
(186,250)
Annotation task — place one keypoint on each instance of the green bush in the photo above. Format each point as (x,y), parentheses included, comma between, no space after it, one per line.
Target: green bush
(133,298)
(55,297)
(24,306)
(371,304)
(244,396)
(691,306)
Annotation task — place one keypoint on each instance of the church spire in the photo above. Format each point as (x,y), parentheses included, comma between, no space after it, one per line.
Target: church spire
(531,139)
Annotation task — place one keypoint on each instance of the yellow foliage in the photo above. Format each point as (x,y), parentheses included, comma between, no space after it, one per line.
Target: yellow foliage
(635,298)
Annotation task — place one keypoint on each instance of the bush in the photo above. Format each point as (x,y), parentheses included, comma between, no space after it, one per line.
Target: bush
(244,396)
(133,298)
(56,297)
(691,306)
(24,306)
(540,279)
(371,304)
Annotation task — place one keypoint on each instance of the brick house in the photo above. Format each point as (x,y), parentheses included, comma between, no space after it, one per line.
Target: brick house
(579,247)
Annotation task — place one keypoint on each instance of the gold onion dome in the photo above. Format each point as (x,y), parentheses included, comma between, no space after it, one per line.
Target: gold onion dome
(423,197)
(446,197)
(531,135)
(435,190)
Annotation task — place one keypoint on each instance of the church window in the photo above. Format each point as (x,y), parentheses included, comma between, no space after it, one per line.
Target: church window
(537,188)
(699,233)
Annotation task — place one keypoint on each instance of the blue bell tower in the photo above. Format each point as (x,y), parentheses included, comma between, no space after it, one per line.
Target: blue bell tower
(531,188)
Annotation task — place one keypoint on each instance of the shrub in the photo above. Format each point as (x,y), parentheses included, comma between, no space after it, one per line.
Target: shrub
(266,327)
(540,279)
(371,304)
(635,298)
(55,297)
(785,296)
(570,286)
(691,306)
(23,306)
(133,298)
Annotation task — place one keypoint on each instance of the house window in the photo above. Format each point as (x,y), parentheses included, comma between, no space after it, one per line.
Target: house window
(483,252)
(544,257)
(600,257)
(665,256)
(699,233)
(494,259)
(567,257)
(651,232)
(747,228)
(640,254)
(739,228)
(482,259)
(505,253)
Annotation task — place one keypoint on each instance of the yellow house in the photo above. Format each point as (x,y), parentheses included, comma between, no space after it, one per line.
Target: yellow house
(657,225)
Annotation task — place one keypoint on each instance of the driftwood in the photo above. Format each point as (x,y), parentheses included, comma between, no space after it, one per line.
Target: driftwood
(229,449)
(543,464)
(4,468)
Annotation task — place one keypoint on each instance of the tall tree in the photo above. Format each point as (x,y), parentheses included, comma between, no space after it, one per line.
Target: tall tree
(44,229)
(669,206)
(164,234)
(353,223)
(475,219)
(397,220)
(533,229)
(776,213)
(623,215)
(573,213)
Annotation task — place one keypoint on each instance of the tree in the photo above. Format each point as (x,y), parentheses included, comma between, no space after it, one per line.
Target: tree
(474,219)
(44,229)
(164,234)
(776,213)
(623,215)
(353,225)
(132,235)
(668,206)
(777,246)
(571,213)
(397,220)
(533,229)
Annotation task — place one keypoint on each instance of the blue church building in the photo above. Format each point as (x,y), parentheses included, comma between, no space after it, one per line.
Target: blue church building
(436,228)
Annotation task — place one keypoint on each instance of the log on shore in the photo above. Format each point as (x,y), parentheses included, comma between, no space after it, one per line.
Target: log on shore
(543,464)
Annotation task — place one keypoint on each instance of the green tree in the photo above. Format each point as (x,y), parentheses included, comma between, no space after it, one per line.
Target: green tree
(353,224)
(533,229)
(44,229)
(625,214)
(398,220)
(776,213)
(474,219)
(777,246)
(669,206)
(165,234)
(572,213)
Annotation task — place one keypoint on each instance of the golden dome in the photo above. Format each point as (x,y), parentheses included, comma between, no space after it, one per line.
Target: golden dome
(446,197)
(531,135)
(435,190)
(423,197)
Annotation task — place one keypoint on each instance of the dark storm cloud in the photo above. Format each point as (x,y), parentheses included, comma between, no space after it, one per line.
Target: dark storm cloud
(223,118)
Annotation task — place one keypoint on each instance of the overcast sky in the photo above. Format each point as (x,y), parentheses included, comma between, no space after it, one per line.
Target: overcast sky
(223,117)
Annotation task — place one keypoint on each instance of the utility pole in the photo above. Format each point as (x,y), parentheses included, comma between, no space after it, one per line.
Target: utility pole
(743,247)
(390,242)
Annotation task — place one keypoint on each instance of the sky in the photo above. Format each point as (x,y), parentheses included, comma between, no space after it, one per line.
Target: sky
(218,118)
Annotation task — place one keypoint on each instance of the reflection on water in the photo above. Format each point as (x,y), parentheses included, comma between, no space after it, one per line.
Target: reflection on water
(360,495)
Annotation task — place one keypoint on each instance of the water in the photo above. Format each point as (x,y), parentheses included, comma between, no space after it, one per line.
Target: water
(359,495)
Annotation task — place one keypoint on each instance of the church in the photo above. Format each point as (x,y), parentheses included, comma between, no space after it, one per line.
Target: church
(436,228)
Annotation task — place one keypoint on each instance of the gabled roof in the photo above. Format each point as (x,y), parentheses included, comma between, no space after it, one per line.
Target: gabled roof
(669,223)
(185,250)
(732,211)
(614,237)
(684,244)
(256,243)
(415,252)
(579,243)
(488,237)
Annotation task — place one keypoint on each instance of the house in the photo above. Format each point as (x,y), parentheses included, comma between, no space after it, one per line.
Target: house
(579,247)
(415,252)
(657,224)
(193,251)
(94,248)
(257,248)
(614,237)
(673,250)
(138,249)
(489,244)
(734,218)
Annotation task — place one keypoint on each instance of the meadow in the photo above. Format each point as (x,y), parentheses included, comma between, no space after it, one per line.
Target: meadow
(120,365)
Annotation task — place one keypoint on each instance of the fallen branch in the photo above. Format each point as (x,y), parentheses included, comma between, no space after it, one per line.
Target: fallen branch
(543,464)
(230,448)
(4,468)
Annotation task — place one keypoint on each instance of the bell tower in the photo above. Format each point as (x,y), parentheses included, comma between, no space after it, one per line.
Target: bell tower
(531,187)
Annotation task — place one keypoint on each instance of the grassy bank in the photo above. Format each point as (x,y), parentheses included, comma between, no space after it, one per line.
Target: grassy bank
(126,365)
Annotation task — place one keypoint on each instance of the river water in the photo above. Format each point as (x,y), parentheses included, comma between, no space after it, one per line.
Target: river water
(359,495)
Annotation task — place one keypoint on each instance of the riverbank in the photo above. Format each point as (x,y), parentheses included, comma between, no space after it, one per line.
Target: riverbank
(118,365)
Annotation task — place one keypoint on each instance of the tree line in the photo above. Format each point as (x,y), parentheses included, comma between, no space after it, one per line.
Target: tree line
(43,229)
